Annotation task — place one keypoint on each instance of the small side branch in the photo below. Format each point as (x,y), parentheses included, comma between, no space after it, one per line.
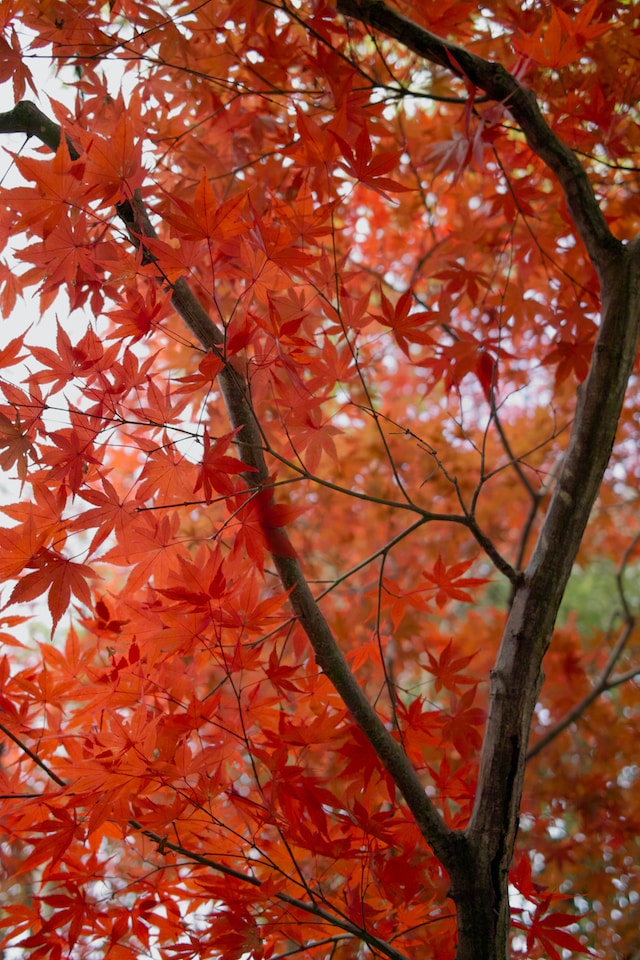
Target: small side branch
(605,681)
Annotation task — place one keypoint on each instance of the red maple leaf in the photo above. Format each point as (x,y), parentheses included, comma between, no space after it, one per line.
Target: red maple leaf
(217,467)
(448,670)
(407,327)
(360,163)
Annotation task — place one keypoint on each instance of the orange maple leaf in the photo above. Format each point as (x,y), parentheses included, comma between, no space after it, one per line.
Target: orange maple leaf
(58,185)
(58,576)
(206,218)
(15,446)
(13,66)
(216,467)
(447,669)
(448,582)
(571,357)
(114,164)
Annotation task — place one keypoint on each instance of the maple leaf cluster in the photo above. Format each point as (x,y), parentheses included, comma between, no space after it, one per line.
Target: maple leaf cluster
(402,302)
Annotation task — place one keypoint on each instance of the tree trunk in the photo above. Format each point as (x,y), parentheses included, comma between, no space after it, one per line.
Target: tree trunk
(480,878)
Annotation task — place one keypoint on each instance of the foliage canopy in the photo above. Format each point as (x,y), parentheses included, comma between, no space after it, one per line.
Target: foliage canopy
(357,293)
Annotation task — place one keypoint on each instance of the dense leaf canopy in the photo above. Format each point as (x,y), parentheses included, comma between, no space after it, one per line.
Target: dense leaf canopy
(390,302)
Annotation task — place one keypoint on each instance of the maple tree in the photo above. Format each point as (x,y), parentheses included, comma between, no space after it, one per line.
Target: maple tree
(347,387)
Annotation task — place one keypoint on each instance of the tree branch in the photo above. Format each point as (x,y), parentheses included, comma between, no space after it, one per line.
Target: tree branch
(480,881)
(28,119)
(313,908)
(605,681)
(501,86)
(602,684)
(163,844)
